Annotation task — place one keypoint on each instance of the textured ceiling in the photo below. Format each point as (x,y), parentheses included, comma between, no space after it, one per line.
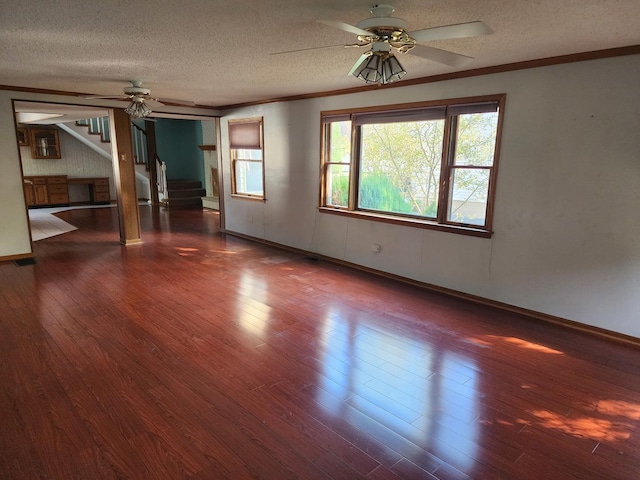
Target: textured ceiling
(219,53)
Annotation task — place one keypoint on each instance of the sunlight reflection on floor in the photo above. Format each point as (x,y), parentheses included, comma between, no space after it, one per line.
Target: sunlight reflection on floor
(586,427)
(492,340)
(379,381)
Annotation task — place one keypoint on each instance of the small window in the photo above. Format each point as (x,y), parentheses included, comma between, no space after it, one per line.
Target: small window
(247,157)
(431,165)
(338,165)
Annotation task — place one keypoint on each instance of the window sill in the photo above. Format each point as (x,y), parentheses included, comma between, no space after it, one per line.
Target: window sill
(408,222)
(255,198)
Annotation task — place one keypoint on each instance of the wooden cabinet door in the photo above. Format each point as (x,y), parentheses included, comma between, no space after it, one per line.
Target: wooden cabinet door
(40,194)
(28,194)
(44,143)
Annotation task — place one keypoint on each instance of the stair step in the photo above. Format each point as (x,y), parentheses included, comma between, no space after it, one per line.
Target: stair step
(186,193)
(183,184)
(191,202)
(183,193)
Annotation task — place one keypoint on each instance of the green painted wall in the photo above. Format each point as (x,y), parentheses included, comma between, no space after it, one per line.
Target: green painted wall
(177,144)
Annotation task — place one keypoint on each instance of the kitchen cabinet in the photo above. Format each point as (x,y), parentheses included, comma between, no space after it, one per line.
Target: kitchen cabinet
(45,143)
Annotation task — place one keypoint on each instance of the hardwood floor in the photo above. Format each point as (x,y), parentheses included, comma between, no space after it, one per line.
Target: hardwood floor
(200,356)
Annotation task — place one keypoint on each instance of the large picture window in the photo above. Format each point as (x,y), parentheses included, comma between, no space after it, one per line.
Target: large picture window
(430,165)
(247,157)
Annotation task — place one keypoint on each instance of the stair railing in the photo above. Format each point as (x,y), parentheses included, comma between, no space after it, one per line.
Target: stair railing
(139,138)
(161,180)
(143,148)
(97,126)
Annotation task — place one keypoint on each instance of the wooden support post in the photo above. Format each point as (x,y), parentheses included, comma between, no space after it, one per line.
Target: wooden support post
(125,176)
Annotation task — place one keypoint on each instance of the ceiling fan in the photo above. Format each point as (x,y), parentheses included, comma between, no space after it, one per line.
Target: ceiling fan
(384,33)
(141,100)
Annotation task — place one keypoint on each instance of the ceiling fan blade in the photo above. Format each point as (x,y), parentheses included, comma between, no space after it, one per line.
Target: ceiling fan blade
(153,103)
(106,97)
(460,30)
(359,62)
(440,56)
(346,27)
(174,101)
(307,49)
(144,119)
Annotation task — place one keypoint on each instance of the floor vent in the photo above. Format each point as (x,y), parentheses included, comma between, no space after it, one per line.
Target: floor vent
(25,261)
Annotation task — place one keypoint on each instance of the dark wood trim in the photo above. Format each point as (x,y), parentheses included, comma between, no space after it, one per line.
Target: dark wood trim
(244,196)
(488,220)
(45,91)
(508,67)
(563,322)
(445,102)
(19,256)
(448,151)
(207,148)
(325,151)
(354,169)
(396,219)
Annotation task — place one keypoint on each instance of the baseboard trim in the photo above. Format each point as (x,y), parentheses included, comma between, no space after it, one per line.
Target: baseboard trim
(560,321)
(13,258)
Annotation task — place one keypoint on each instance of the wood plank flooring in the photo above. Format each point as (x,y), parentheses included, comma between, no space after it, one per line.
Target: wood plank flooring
(200,356)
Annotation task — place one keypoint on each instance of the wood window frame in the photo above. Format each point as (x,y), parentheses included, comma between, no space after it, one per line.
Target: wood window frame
(448,167)
(246,134)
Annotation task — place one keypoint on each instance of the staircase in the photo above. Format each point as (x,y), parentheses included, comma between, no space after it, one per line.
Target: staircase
(171,193)
(185,194)
(97,126)
(100,128)
(94,133)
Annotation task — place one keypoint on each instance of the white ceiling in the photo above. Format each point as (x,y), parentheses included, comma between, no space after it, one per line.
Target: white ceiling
(218,53)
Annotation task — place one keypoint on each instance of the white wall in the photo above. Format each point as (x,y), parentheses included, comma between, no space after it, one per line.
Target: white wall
(566,221)
(14,224)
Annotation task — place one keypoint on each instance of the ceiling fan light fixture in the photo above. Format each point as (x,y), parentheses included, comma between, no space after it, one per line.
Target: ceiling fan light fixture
(370,69)
(137,108)
(379,67)
(384,32)
(392,70)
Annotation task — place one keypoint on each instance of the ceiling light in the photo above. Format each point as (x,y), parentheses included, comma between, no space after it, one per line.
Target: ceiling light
(370,69)
(379,66)
(137,108)
(392,70)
